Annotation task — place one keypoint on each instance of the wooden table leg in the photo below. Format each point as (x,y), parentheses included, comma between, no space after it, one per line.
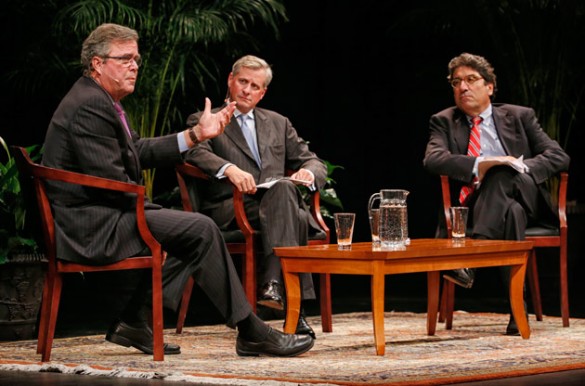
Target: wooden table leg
(377,294)
(517,273)
(293,300)
(433,280)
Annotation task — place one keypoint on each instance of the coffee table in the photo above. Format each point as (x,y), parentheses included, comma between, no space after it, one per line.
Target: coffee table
(422,255)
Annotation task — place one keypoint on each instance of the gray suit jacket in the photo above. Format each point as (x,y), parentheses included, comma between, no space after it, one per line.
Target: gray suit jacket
(86,135)
(280,149)
(519,132)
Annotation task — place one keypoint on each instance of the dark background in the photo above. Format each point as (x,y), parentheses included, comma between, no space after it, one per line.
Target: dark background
(361,91)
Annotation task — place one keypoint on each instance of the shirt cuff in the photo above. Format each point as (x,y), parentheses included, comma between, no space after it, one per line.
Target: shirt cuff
(183,147)
(475,170)
(221,170)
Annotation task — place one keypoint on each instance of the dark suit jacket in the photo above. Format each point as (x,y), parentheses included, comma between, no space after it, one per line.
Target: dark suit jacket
(519,132)
(280,149)
(86,135)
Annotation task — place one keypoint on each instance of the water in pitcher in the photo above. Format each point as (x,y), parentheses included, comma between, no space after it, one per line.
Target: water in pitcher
(393,225)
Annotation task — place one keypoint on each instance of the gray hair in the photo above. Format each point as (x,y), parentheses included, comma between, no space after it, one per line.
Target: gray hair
(478,63)
(254,63)
(99,40)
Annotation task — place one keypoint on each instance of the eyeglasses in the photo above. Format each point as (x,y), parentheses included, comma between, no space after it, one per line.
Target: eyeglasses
(126,60)
(469,79)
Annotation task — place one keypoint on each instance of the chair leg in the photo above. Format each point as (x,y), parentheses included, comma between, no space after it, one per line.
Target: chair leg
(449,288)
(51,322)
(249,277)
(45,310)
(325,302)
(447,304)
(186,298)
(564,283)
(534,285)
(443,304)
(157,314)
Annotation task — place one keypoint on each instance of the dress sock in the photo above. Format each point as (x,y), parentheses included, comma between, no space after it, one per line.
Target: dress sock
(253,329)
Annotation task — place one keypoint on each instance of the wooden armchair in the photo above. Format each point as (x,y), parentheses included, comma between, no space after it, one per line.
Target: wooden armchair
(38,175)
(245,241)
(541,236)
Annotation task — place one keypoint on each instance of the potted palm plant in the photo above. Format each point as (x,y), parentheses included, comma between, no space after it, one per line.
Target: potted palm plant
(21,265)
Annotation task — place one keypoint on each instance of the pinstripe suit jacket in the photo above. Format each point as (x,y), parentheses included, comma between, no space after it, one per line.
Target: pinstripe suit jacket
(280,149)
(87,136)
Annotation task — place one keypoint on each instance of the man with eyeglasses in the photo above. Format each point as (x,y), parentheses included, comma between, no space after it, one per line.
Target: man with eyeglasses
(503,200)
(89,134)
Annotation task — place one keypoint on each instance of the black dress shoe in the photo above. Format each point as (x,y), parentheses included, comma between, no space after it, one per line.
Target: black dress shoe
(303,328)
(463,277)
(276,344)
(512,327)
(271,295)
(137,337)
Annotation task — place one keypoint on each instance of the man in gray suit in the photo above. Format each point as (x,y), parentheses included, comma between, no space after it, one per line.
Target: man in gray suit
(89,134)
(257,146)
(502,200)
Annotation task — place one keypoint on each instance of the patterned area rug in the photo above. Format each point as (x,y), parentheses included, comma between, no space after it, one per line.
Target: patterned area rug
(475,349)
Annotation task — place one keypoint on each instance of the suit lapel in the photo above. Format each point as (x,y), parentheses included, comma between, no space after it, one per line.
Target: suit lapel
(461,133)
(262,132)
(134,155)
(505,129)
(133,152)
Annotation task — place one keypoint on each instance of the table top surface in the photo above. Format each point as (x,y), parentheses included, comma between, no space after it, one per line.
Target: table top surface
(417,248)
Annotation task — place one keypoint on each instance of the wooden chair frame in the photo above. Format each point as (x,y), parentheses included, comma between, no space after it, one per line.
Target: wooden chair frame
(541,237)
(247,247)
(38,175)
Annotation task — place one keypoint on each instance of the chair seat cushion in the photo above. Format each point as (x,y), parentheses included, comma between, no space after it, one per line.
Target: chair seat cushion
(317,235)
(542,231)
(233,236)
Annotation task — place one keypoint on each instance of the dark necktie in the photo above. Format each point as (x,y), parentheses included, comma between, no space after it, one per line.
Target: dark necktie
(473,150)
(122,115)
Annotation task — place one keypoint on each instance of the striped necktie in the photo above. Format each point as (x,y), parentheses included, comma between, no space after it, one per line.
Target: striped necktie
(473,150)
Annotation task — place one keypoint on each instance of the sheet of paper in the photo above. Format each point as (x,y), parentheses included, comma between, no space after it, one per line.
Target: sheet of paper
(270,183)
(516,163)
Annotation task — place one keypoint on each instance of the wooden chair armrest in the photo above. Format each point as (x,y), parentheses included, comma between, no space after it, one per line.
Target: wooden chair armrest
(183,170)
(446,194)
(186,169)
(564,180)
(315,208)
(46,173)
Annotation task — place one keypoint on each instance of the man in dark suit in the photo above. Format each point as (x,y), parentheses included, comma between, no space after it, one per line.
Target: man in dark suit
(257,146)
(90,134)
(502,201)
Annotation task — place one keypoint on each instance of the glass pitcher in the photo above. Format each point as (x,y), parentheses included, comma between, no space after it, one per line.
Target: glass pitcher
(373,216)
(393,217)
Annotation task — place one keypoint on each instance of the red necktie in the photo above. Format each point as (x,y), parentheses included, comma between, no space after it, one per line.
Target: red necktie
(473,150)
